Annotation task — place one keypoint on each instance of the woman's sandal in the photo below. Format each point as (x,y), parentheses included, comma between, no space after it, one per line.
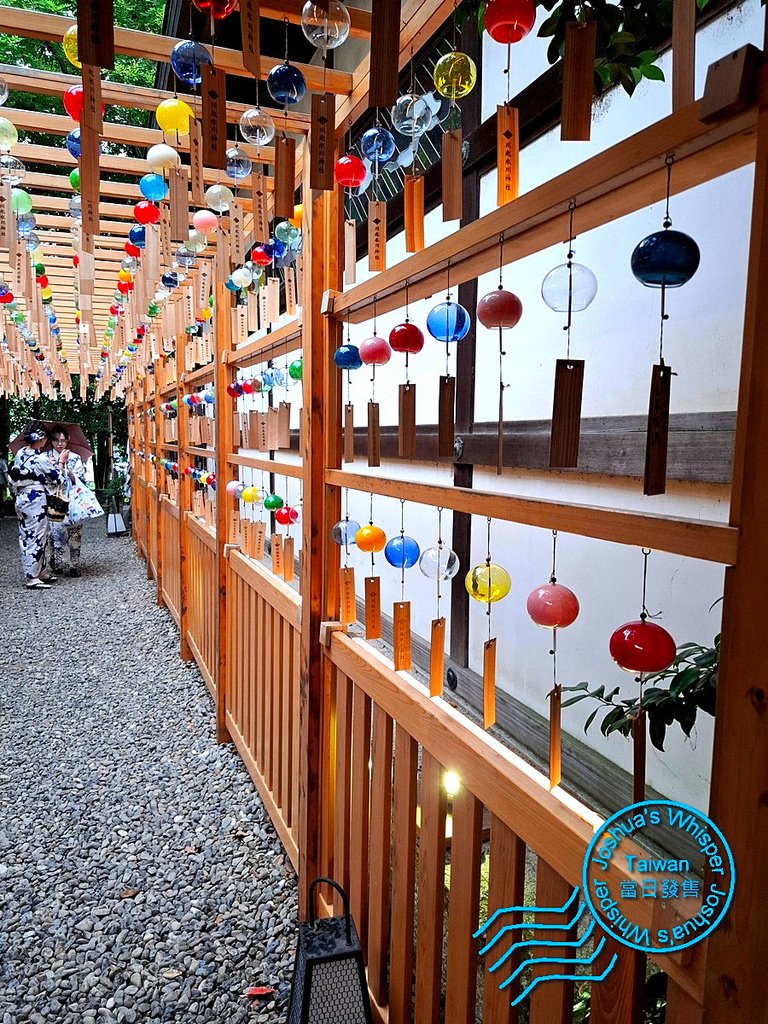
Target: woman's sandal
(38,584)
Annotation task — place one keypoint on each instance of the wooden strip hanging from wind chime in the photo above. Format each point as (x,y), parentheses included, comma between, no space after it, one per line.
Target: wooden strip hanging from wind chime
(96,32)
(250,33)
(441,564)
(508,150)
(214,92)
(322,138)
(664,259)
(178,197)
(578,81)
(285,176)
(385,44)
(408,339)
(90,142)
(488,583)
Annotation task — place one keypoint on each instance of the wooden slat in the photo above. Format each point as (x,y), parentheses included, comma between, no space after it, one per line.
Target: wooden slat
(446,404)
(285,176)
(96,32)
(322,141)
(694,538)
(683,53)
(385,44)
(214,121)
(379,883)
(508,148)
(403,878)
(464,908)
(655,478)
(618,999)
(341,844)
(566,413)
(414,213)
(506,882)
(578,80)
(429,933)
(406,432)
(374,435)
(359,820)
(451,175)
(551,1002)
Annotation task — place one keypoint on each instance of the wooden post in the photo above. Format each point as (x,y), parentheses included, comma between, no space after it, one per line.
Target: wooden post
(224,447)
(321,446)
(157,449)
(184,499)
(683,53)
(735,971)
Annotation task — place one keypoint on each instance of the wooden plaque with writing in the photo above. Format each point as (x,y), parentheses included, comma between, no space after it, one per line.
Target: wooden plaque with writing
(406,426)
(437,658)
(657,438)
(508,150)
(452,175)
(372,608)
(322,141)
(348,602)
(445,417)
(374,435)
(377,235)
(402,636)
(489,683)
(214,116)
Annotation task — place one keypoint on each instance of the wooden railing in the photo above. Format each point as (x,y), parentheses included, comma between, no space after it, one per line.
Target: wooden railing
(152,530)
(170,577)
(201,598)
(263,695)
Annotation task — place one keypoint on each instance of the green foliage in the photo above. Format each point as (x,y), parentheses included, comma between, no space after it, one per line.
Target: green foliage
(677,694)
(627,34)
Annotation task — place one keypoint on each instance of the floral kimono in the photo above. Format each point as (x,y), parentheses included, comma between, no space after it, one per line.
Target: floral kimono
(66,535)
(34,476)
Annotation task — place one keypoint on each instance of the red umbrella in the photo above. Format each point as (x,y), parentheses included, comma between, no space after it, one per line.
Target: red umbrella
(77,442)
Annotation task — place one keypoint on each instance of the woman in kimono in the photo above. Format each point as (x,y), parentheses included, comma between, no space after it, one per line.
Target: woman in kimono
(33,476)
(66,535)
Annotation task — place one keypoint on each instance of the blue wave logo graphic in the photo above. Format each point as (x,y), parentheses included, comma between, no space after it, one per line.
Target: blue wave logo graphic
(575,905)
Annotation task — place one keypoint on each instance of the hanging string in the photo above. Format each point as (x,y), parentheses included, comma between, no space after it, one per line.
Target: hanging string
(552,576)
(439,556)
(346,530)
(667,223)
(370,523)
(508,72)
(553,579)
(571,254)
(644,613)
(488,566)
(447,299)
(285,105)
(407,320)
(402,550)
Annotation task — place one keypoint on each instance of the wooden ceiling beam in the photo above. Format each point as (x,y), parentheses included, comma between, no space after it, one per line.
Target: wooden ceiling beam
(15,21)
(136,97)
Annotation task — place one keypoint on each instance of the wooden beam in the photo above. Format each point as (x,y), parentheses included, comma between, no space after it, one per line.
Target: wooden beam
(713,542)
(625,178)
(15,21)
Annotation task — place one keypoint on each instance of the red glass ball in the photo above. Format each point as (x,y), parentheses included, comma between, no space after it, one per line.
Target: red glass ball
(259,256)
(75,261)
(219,8)
(141,331)
(406,337)
(552,606)
(499,309)
(42,281)
(247,387)
(132,250)
(642,646)
(5,299)
(349,171)
(74,100)
(234,390)
(283,516)
(146,212)
(375,351)
(509,21)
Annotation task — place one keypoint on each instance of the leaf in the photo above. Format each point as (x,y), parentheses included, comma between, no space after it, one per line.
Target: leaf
(256,991)
(577,686)
(657,730)
(575,700)
(652,71)
(591,719)
(549,27)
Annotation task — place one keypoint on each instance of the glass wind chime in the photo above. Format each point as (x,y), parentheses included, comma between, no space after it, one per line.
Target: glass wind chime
(553,606)
(447,322)
(347,357)
(569,288)
(374,351)
(641,647)
(441,564)
(408,339)
(402,552)
(455,76)
(500,310)
(371,540)
(411,117)
(287,87)
(664,259)
(344,533)
(326,26)
(488,583)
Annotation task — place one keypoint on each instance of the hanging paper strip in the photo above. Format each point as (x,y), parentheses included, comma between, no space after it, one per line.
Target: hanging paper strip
(196,162)
(406,427)
(452,175)
(414,213)
(214,91)
(657,437)
(555,736)
(578,80)
(289,558)
(237,233)
(348,601)
(445,417)
(203,283)
(401,640)
(372,608)
(566,414)
(350,252)
(179,203)
(385,45)
(374,435)
(489,683)
(377,235)
(259,199)
(285,176)
(250,25)
(437,657)
(349,432)
(508,154)
(96,32)
(322,141)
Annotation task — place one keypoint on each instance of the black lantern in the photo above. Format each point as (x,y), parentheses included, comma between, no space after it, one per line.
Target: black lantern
(329,983)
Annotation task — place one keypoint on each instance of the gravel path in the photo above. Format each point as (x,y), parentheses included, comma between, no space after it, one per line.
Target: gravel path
(140,877)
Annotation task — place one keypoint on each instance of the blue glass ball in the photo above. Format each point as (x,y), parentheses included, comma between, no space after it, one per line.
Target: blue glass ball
(378,144)
(230,285)
(285,84)
(4,289)
(666,257)
(209,397)
(137,236)
(449,321)
(343,533)
(268,380)
(187,59)
(153,187)
(184,257)
(239,164)
(347,357)
(274,248)
(402,552)
(25,224)
(170,279)
(72,142)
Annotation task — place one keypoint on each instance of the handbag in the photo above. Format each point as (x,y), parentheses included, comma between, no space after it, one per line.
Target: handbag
(82,504)
(57,504)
